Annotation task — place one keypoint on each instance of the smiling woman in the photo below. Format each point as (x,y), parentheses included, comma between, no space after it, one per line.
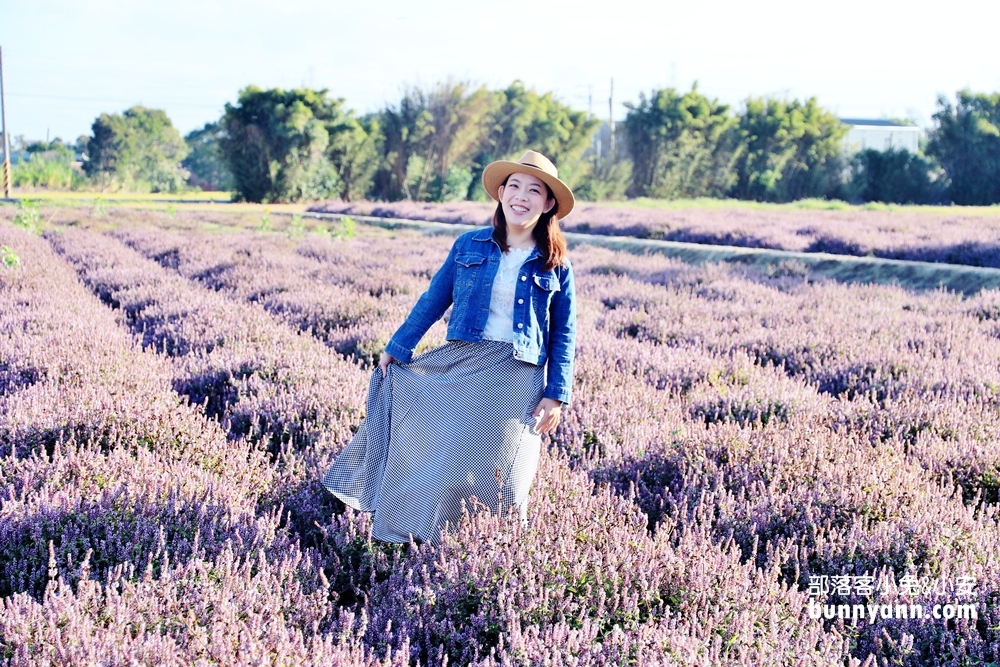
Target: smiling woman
(462,424)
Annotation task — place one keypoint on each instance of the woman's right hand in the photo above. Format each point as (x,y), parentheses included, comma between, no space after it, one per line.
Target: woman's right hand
(384,361)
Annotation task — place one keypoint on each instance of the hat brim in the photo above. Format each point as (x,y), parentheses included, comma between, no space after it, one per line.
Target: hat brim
(496,172)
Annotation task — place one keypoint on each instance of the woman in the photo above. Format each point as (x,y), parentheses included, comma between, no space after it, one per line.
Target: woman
(462,423)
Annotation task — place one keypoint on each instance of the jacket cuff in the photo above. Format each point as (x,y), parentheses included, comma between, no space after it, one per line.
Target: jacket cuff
(556,394)
(399,352)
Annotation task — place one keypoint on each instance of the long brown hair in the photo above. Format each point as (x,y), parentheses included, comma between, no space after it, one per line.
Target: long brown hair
(547,233)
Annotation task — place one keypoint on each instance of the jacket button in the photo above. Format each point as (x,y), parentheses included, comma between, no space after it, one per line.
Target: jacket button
(520,300)
(523,279)
(520,325)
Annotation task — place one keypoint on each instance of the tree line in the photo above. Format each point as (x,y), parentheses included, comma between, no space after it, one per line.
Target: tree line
(432,145)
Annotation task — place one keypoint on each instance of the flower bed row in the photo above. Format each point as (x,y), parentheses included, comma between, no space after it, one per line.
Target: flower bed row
(720,449)
(716,378)
(946,236)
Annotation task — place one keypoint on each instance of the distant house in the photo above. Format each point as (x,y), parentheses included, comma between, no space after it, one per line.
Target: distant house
(881,135)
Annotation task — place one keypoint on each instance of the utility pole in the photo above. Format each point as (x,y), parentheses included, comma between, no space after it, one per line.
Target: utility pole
(596,143)
(611,119)
(3,128)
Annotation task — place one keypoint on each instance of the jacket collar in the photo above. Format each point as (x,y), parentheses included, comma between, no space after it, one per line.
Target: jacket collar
(486,234)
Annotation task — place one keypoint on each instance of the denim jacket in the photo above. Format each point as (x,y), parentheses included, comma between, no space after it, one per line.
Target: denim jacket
(544,308)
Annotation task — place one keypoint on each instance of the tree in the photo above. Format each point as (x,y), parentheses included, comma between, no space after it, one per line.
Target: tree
(437,142)
(137,151)
(681,145)
(431,138)
(608,178)
(355,151)
(791,150)
(966,142)
(524,119)
(275,143)
(208,169)
(895,176)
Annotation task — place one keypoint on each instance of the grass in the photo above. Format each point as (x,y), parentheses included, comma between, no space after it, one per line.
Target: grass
(159,201)
(85,195)
(215,201)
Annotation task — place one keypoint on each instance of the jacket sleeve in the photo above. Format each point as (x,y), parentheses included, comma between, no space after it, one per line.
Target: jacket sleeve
(428,310)
(562,340)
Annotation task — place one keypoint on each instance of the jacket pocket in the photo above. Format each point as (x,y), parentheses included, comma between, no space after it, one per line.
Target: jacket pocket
(547,283)
(468,260)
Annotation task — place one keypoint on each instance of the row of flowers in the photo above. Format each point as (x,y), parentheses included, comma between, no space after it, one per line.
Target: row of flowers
(733,437)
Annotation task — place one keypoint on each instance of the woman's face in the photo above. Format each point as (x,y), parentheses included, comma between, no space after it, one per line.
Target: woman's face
(524,198)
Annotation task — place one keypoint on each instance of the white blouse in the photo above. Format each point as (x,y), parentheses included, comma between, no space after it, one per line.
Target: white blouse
(500,324)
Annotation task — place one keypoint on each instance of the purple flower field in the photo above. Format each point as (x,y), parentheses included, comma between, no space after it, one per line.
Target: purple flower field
(172,390)
(929,236)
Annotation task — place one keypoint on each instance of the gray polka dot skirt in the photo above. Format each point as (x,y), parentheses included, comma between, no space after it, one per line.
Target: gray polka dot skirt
(454,423)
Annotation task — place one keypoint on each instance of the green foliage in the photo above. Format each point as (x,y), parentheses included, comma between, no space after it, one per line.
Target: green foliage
(355,151)
(279,145)
(207,168)
(49,166)
(609,179)
(265,221)
(792,150)
(437,142)
(28,216)
(523,119)
(296,227)
(137,151)
(296,145)
(966,142)
(344,231)
(99,209)
(430,140)
(9,258)
(895,176)
(341,230)
(681,145)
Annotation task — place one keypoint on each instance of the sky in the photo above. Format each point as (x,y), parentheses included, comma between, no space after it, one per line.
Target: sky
(66,62)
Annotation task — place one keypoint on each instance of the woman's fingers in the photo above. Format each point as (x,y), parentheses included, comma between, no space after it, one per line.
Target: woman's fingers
(546,417)
(383,362)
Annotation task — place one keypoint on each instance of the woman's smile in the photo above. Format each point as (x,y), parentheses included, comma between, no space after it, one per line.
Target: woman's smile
(524,198)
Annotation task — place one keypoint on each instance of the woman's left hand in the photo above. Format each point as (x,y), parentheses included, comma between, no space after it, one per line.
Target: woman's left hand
(547,415)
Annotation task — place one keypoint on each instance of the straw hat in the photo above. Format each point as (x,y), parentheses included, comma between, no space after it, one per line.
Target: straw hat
(540,167)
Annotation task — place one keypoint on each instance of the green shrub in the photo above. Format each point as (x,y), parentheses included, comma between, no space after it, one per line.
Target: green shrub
(98,210)
(345,229)
(895,176)
(28,216)
(296,228)
(265,221)
(607,181)
(45,172)
(9,258)
(681,145)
